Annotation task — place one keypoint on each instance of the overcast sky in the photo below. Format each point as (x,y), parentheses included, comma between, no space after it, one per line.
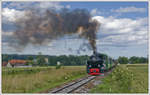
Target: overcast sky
(123,31)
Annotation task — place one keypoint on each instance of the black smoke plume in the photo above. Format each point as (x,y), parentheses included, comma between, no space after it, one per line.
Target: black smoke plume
(36,27)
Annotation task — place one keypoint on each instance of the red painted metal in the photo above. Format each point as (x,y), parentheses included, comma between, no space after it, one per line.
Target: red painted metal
(94,71)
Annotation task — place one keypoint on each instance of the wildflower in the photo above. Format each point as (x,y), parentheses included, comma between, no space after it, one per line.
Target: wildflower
(66,78)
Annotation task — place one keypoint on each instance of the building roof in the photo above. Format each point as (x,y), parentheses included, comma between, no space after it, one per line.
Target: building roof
(14,61)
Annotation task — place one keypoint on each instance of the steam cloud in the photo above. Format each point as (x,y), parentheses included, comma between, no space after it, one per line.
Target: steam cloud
(35,27)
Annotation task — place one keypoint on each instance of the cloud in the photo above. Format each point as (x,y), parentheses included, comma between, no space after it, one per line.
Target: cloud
(27,5)
(95,12)
(7,37)
(129,10)
(116,32)
(11,15)
(18,5)
(54,5)
(13,10)
(7,33)
(122,32)
(68,6)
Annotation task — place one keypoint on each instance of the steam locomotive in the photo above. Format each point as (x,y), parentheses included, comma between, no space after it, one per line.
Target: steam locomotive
(99,63)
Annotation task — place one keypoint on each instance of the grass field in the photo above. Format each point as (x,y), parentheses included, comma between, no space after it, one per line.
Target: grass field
(125,79)
(38,79)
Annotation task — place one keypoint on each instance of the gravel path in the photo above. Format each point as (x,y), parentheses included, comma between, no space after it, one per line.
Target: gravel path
(87,87)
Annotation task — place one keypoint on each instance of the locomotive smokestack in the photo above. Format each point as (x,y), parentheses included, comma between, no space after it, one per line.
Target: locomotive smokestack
(94,52)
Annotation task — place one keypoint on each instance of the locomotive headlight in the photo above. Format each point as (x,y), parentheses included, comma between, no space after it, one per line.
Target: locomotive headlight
(103,67)
(89,65)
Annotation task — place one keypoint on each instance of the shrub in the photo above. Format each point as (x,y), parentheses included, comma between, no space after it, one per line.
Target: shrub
(58,66)
(122,78)
(119,81)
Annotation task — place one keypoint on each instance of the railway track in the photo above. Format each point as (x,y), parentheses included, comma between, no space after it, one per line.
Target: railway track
(73,85)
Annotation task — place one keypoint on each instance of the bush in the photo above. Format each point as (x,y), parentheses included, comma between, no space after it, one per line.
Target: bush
(58,66)
(122,78)
(119,81)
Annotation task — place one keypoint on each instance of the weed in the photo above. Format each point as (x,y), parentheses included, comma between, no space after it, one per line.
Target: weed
(125,79)
(42,80)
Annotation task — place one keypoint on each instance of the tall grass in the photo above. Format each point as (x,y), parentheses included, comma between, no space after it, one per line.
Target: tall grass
(125,79)
(140,78)
(40,81)
(6,70)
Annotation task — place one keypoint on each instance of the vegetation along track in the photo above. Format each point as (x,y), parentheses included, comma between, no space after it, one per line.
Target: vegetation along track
(73,85)
(76,84)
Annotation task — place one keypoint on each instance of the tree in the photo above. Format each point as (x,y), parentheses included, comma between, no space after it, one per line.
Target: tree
(5,58)
(123,60)
(30,60)
(135,60)
(143,60)
(41,60)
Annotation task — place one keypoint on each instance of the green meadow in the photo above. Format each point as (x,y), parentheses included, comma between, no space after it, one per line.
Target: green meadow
(38,79)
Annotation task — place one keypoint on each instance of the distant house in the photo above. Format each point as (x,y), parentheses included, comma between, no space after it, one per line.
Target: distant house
(17,63)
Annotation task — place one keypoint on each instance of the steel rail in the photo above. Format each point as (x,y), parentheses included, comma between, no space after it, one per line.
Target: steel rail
(73,85)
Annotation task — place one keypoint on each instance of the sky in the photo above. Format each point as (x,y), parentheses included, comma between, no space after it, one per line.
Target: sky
(123,30)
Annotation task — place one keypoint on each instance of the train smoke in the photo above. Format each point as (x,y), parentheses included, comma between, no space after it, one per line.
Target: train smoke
(38,27)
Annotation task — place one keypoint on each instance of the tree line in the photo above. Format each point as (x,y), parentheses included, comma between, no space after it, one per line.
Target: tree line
(47,60)
(70,60)
(132,60)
